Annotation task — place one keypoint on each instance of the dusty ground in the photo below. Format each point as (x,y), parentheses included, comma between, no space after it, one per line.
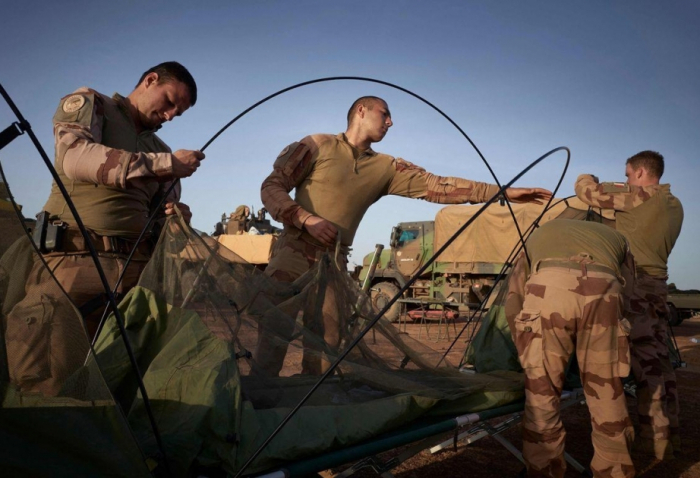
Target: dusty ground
(487,458)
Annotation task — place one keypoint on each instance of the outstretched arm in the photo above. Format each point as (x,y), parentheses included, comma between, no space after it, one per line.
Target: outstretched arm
(534,195)
(413,181)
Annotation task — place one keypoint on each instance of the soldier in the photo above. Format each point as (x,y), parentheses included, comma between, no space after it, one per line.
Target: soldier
(650,217)
(116,170)
(337,178)
(238,221)
(569,299)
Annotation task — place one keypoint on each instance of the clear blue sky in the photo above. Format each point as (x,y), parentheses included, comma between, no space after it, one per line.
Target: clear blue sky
(606,79)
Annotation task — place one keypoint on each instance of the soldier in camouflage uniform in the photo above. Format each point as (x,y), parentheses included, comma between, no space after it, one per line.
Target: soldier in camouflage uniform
(569,299)
(337,178)
(238,221)
(116,169)
(650,217)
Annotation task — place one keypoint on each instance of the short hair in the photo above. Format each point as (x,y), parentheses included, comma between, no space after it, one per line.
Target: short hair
(366,101)
(652,161)
(173,71)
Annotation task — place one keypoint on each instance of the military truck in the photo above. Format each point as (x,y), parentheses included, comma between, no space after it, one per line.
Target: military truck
(682,304)
(467,270)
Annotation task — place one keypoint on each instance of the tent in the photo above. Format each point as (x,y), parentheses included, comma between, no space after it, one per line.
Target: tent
(192,323)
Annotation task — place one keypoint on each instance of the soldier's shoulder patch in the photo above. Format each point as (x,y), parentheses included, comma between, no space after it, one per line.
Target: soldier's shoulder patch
(615,187)
(73,103)
(283,152)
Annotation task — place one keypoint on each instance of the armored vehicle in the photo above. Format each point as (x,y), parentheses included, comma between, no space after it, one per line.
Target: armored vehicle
(248,234)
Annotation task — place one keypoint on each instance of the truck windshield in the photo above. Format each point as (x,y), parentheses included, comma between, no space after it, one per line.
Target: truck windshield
(407,236)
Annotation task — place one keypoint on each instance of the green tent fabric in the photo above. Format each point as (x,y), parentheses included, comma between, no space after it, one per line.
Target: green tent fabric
(81,431)
(192,323)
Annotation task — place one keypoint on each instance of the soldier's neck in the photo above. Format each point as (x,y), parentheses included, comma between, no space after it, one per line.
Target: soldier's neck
(134,112)
(358,139)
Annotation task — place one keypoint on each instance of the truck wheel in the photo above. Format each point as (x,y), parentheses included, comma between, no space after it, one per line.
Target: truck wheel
(674,318)
(381,294)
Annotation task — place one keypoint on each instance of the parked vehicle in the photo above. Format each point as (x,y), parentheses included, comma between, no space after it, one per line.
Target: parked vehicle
(466,271)
(682,304)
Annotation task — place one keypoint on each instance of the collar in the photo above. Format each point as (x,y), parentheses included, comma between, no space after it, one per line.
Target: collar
(124,108)
(369,152)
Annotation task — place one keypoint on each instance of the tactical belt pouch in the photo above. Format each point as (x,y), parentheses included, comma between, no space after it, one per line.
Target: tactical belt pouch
(48,236)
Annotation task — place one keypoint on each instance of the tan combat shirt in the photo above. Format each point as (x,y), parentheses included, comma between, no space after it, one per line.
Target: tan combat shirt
(650,217)
(338,182)
(112,173)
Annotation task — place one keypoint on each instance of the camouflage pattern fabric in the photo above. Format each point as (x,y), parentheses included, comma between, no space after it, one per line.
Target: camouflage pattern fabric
(638,212)
(43,322)
(657,398)
(112,173)
(566,311)
(293,256)
(338,182)
(617,196)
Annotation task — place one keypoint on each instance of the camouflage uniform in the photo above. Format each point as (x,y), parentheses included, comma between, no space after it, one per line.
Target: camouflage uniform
(338,182)
(238,222)
(650,218)
(115,177)
(572,302)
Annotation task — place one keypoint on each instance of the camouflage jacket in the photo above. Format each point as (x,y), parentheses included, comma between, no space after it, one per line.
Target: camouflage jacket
(112,173)
(650,217)
(336,181)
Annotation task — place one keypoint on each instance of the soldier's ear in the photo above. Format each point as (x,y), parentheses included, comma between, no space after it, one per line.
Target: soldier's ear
(150,79)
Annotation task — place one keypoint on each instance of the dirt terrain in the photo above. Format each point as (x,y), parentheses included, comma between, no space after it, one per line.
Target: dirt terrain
(488,458)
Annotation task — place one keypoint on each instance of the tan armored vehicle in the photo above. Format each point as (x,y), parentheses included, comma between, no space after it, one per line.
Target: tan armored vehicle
(249,235)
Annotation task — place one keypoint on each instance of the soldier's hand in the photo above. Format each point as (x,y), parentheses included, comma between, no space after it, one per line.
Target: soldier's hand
(184,210)
(534,195)
(186,162)
(324,231)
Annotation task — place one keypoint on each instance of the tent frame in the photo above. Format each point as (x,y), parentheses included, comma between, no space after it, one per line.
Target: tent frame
(422,437)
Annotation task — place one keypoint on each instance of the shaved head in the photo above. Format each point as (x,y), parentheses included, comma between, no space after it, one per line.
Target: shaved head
(367,101)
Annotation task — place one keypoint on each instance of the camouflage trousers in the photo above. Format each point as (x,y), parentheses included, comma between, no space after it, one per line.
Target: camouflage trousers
(567,311)
(47,339)
(292,256)
(657,399)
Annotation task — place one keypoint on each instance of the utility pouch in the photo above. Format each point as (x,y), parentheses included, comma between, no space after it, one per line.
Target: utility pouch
(47,236)
(54,236)
(39,234)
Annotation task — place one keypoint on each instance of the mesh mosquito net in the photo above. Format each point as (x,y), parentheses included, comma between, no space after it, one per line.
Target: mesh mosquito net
(193,322)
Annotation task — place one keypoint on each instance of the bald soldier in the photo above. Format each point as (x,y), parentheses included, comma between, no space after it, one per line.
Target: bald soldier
(116,170)
(650,217)
(567,300)
(336,178)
